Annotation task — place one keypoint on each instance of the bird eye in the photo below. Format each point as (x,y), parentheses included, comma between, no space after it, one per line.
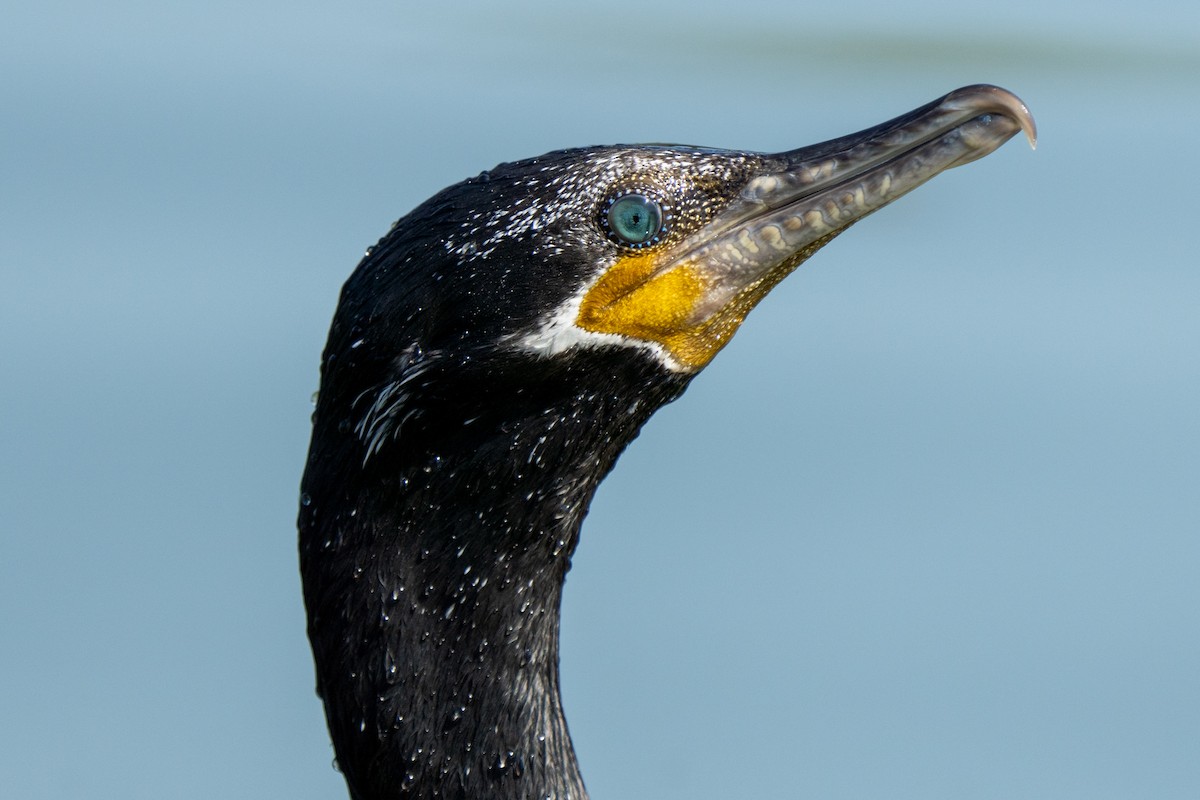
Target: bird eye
(633,219)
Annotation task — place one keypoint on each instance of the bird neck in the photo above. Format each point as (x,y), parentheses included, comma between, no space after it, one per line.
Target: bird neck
(433,578)
(442,678)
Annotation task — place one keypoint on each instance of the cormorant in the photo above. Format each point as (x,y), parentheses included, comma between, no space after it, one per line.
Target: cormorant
(489,359)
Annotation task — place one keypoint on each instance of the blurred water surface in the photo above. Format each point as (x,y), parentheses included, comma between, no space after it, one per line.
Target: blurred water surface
(928,528)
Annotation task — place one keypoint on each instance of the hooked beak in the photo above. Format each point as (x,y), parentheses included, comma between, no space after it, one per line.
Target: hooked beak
(798,202)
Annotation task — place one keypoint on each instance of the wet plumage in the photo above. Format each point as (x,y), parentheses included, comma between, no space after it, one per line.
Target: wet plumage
(489,360)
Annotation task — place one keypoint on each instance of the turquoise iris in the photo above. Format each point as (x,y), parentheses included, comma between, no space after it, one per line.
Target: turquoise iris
(635,219)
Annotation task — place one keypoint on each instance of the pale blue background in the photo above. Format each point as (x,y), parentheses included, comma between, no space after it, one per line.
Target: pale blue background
(929,528)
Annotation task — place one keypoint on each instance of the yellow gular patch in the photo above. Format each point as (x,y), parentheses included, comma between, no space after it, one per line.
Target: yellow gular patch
(634,299)
(630,299)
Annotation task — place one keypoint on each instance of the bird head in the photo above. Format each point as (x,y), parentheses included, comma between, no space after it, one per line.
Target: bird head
(647,258)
